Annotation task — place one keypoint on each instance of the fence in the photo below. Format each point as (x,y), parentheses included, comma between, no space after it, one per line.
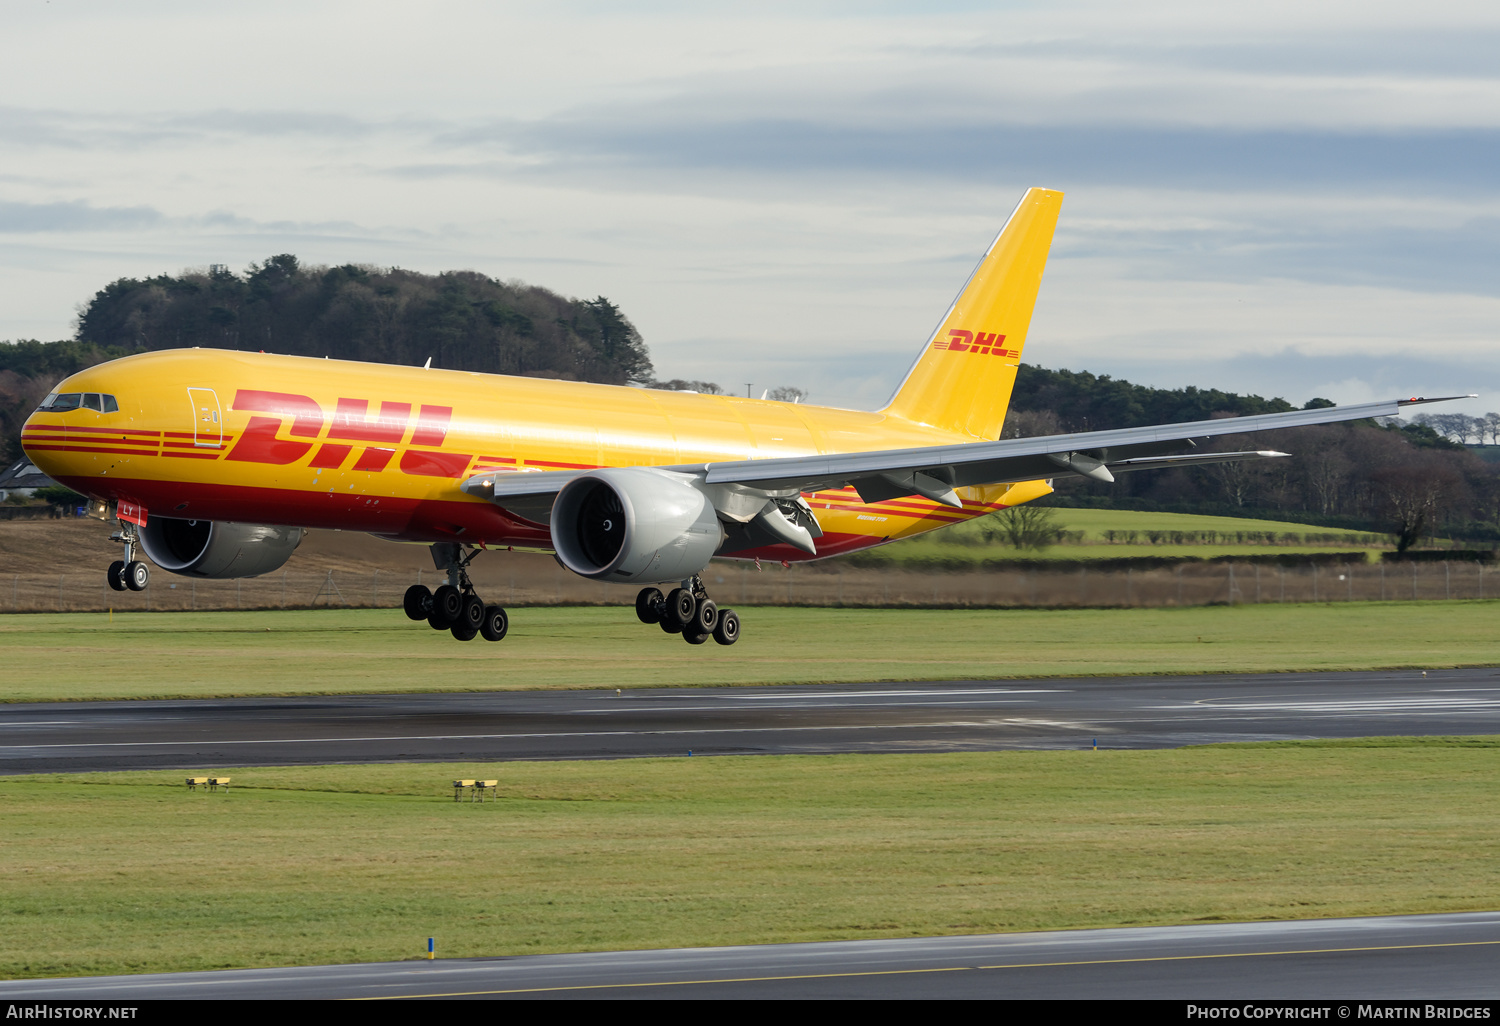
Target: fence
(541,582)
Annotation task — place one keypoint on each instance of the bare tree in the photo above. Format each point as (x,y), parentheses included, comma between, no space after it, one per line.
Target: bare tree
(787,394)
(1025,527)
(681,385)
(1411,498)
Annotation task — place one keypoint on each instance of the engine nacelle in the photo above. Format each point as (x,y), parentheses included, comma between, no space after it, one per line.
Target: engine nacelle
(634,524)
(205,548)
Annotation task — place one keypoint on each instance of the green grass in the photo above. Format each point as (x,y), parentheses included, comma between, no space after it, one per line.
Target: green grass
(65,656)
(1094,522)
(916,552)
(129,872)
(966,541)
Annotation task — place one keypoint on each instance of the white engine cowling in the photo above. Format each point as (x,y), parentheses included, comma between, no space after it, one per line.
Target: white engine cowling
(630,524)
(205,548)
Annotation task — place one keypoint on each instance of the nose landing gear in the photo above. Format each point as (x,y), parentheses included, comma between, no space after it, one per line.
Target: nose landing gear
(690,612)
(128,572)
(455,607)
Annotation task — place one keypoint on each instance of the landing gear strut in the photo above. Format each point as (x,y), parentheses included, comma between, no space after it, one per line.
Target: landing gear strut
(128,572)
(455,607)
(690,612)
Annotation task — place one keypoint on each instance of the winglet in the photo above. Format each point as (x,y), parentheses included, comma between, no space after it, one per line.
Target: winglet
(1418,400)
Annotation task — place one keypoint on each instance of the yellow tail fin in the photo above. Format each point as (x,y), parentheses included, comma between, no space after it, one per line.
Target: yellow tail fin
(963,379)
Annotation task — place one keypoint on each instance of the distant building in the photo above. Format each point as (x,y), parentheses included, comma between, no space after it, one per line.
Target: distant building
(23,479)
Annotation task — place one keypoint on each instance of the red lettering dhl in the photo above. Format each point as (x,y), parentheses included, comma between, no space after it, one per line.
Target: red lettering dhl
(421,463)
(958,339)
(432,425)
(350,421)
(258,443)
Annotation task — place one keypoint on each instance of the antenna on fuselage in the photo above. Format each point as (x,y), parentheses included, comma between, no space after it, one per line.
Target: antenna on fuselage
(428,364)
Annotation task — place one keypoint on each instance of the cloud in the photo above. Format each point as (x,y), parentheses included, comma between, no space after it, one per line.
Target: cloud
(29,218)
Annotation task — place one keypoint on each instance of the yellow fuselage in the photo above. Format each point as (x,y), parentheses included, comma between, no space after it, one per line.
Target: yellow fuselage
(256,438)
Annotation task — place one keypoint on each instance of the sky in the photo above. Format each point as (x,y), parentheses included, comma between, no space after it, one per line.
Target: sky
(1288,199)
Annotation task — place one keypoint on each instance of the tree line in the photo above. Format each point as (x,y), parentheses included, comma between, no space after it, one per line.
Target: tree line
(1408,479)
(461,320)
(1459,427)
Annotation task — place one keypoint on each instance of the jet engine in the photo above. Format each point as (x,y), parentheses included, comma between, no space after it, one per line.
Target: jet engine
(206,548)
(634,524)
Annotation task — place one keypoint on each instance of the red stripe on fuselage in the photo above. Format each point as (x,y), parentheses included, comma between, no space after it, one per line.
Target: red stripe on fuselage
(405,519)
(87,448)
(97,430)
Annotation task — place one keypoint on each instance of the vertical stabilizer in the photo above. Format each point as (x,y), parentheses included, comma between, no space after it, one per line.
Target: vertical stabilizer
(963,379)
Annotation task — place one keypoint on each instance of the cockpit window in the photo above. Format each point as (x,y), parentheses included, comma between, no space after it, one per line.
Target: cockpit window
(97,401)
(56,403)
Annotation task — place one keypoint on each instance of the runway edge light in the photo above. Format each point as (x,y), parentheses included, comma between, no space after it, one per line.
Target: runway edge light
(430,954)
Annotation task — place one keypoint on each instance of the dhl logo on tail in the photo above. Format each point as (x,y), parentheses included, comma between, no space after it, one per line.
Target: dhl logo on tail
(982,343)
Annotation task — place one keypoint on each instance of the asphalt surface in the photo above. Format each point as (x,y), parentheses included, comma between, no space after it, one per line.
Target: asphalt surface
(1422,957)
(1445,957)
(1127,712)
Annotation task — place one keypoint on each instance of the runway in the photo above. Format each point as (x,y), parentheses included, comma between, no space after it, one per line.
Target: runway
(1125,712)
(1447,957)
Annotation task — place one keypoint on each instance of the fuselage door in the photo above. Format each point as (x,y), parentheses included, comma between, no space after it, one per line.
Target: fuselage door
(208,425)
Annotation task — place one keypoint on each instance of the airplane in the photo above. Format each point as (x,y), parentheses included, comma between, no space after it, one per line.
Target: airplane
(215,463)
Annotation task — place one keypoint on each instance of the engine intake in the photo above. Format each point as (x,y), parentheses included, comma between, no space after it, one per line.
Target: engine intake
(631,524)
(206,548)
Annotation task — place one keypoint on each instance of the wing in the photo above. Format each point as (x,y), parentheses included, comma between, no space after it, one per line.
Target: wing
(935,471)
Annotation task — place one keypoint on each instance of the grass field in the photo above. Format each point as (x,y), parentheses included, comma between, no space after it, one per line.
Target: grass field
(1089,530)
(158,655)
(131,873)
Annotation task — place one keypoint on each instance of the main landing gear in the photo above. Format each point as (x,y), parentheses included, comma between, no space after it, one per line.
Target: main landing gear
(454,607)
(128,572)
(690,612)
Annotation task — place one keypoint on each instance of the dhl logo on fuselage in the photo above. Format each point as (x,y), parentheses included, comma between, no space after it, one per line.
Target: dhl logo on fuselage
(352,423)
(982,343)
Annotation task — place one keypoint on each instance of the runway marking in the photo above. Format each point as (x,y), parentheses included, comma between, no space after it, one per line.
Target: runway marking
(595,711)
(512,737)
(943,969)
(897,694)
(1349,705)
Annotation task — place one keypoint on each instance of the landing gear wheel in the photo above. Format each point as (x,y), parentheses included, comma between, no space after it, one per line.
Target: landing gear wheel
(471,614)
(727,632)
(136,575)
(670,625)
(648,605)
(116,575)
(417,602)
(495,624)
(447,604)
(681,605)
(463,632)
(693,636)
(705,617)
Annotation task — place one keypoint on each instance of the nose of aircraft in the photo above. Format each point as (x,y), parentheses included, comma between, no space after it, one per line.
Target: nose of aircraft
(31,443)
